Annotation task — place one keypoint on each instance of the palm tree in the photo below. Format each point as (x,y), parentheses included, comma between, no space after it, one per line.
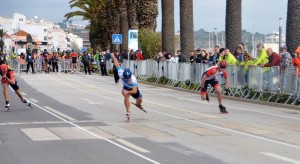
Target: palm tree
(147,11)
(293,25)
(168,29)
(186,26)
(131,14)
(2,33)
(233,23)
(121,5)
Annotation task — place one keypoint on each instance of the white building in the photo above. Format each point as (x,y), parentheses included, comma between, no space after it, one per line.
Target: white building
(75,42)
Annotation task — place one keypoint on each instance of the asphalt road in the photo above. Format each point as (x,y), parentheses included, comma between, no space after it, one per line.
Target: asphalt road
(79,118)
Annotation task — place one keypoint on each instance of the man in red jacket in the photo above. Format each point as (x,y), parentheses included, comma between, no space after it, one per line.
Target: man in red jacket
(274,59)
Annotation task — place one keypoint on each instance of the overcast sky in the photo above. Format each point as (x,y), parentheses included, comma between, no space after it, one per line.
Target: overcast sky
(263,15)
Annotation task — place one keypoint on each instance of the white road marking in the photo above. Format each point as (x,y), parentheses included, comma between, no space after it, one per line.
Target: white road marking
(23,93)
(59,113)
(280,157)
(133,146)
(193,121)
(33,100)
(93,134)
(92,102)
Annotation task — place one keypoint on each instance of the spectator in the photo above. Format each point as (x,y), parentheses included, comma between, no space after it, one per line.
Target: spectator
(193,56)
(296,60)
(124,55)
(159,57)
(54,60)
(228,57)
(205,56)
(29,60)
(139,55)
(86,60)
(212,58)
(171,58)
(238,54)
(198,56)
(263,56)
(132,55)
(274,59)
(286,58)
(247,61)
(165,54)
(181,57)
(102,59)
(217,53)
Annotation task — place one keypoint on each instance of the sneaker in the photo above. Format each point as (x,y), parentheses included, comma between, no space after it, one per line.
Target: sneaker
(27,103)
(223,109)
(127,115)
(7,107)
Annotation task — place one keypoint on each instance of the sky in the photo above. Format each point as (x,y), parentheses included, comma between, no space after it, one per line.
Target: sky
(257,15)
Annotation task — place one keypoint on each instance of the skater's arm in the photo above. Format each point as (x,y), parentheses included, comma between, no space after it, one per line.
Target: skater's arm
(115,60)
(11,80)
(204,77)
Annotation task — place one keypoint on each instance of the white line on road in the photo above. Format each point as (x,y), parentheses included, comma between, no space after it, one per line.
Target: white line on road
(93,134)
(33,100)
(194,121)
(133,146)
(92,102)
(23,93)
(280,157)
(59,113)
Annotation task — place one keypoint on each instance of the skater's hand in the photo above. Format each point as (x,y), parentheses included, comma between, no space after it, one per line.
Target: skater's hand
(112,55)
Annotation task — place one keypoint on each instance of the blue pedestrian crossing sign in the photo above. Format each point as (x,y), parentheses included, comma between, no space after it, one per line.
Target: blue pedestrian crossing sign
(116,39)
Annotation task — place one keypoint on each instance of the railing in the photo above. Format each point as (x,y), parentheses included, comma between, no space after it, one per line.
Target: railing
(254,83)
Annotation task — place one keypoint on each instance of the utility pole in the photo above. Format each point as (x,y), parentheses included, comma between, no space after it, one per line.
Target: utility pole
(280,33)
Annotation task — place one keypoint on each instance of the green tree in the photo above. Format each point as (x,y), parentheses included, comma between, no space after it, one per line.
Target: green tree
(233,23)
(2,33)
(150,42)
(147,11)
(293,25)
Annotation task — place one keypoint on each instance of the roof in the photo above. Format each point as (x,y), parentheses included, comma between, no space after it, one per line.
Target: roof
(21,33)
(6,36)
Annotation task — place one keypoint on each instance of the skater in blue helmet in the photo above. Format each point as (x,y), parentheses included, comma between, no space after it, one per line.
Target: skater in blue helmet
(130,87)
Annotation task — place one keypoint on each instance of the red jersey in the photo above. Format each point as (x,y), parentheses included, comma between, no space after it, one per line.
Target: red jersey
(213,71)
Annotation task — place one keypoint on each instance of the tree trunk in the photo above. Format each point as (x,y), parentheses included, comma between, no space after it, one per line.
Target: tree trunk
(293,25)
(121,5)
(233,24)
(147,11)
(186,26)
(168,27)
(131,14)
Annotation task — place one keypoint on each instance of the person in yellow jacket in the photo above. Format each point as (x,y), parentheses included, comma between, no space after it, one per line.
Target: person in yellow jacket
(263,57)
(227,57)
(247,61)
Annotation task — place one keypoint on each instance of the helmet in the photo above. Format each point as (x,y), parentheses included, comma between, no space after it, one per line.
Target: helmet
(3,68)
(127,73)
(223,64)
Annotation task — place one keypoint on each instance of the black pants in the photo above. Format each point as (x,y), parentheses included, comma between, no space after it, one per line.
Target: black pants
(28,65)
(116,76)
(86,66)
(54,66)
(103,69)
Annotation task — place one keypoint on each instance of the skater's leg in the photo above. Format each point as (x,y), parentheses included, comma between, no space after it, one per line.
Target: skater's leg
(139,101)
(5,91)
(126,101)
(219,94)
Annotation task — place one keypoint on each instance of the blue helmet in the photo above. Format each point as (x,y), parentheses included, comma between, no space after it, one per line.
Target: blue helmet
(127,73)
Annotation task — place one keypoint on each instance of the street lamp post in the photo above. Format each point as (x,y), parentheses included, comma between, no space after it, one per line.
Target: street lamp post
(280,32)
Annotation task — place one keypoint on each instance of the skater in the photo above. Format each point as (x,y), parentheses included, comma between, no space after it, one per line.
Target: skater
(130,87)
(209,77)
(8,78)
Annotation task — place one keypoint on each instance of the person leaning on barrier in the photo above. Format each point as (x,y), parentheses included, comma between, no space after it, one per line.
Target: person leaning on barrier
(296,60)
(192,57)
(286,58)
(247,61)
(263,56)
(228,57)
(274,59)
(181,57)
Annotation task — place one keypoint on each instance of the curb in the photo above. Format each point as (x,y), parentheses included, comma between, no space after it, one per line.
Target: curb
(286,106)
